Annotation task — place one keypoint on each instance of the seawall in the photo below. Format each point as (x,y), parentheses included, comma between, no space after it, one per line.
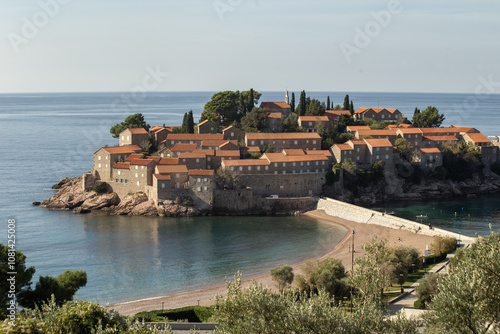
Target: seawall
(366,216)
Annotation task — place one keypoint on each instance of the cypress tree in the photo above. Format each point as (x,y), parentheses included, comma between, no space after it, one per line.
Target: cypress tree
(346,102)
(292,103)
(251,104)
(185,127)
(302,103)
(190,122)
(328,103)
(351,109)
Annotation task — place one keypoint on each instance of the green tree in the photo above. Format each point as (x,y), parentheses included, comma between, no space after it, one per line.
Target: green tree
(443,245)
(21,281)
(351,108)
(428,118)
(290,123)
(292,103)
(315,107)
(283,276)
(255,121)
(346,103)
(132,121)
(190,122)
(63,288)
(427,288)
(330,277)
(469,298)
(328,102)
(222,108)
(301,108)
(405,148)
(461,160)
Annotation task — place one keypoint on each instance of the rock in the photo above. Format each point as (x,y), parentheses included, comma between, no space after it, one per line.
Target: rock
(99,202)
(69,196)
(80,210)
(36,203)
(62,183)
(129,202)
(145,209)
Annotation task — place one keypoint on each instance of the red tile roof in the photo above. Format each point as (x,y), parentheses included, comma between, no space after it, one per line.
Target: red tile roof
(463,128)
(250,149)
(314,118)
(386,133)
(178,147)
(193,155)
(157,159)
(326,153)
(168,169)
(382,142)
(337,112)
(280,157)
(430,150)
(344,147)
(275,105)
(356,142)
(231,143)
(206,121)
(287,135)
(477,138)
(399,126)
(274,157)
(438,130)
(134,156)
(406,131)
(213,143)
(290,151)
(201,172)
(354,128)
(440,138)
(205,151)
(121,165)
(160,177)
(376,110)
(123,149)
(246,162)
(227,153)
(141,162)
(274,115)
(137,131)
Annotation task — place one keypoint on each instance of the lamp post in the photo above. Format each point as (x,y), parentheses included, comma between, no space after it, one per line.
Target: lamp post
(413,268)
(162,303)
(401,282)
(425,269)
(352,263)
(198,302)
(345,298)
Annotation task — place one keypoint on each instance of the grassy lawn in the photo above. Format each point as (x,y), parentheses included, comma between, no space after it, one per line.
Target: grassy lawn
(184,314)
(412,278)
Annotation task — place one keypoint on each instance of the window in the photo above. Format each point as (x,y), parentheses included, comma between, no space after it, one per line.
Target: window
(249,168)
(295,142)
(232,134)
(275,172)
(163,185)
(253,142)
(357,158)
(241,168)
(99,158)
(126,181)
(317,163)
(199,180)
(136,167)
(128,138)
(197,160)
(106,165)
(357,149)
(293,171)
(99,165)
(199,189)
(106,157)
(116,180)
(284,164)
(232,168)
(314,141)
(142,167)
(323,163)
(258,167)
(183,160)
(177,175)
(138,183)
(275,164)
(266,167)
(308,163)
(208,158)
(378,157)
(387,157)
(205,188)
(387,149)
(302,163)
(123,137)
(142,175)
(284,172)
(378,149)
(262,142)
(119,172)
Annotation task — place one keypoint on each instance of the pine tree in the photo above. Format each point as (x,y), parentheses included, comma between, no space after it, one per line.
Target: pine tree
(251,102)
(190,122)
(328,103)
(292,103)
(346,102)
(351,109)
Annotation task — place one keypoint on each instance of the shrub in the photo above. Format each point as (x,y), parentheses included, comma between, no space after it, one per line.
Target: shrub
(102,188)
(427,288)
(495,168)
(419,304)
(187,201)
(443,245)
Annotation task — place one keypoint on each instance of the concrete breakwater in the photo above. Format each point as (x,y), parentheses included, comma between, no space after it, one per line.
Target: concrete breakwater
(366,216)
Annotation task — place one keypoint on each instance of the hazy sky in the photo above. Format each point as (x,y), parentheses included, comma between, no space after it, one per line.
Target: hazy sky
(211,45)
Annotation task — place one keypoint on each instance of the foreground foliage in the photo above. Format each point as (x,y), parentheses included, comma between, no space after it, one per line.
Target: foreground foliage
(469,298)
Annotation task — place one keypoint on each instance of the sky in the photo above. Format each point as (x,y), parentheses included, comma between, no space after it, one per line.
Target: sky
(273,45)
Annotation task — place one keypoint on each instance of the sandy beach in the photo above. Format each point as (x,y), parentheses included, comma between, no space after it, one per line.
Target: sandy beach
(363,233)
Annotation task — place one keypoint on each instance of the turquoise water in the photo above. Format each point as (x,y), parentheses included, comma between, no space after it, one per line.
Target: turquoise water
(46,137)
(466,216)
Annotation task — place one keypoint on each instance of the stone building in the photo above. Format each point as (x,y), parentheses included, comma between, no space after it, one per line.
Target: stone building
(313,123)
(428,158)
(378,114)
(335,115)
(232,133)
(274,122)
(390,134)
(207,126)
(135,136)
(190,138)
(281,141)
(106,157)
(413,135)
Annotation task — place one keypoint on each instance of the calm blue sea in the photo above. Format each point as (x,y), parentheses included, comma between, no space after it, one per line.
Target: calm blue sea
(46,137)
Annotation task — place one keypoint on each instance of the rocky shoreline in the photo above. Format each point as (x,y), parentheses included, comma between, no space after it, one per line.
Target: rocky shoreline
(71,196)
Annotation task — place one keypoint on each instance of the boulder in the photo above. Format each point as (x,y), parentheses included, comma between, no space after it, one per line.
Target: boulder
(99,202)
(63,182)
(80,210)
(145,209)
(129,202)
(36,203)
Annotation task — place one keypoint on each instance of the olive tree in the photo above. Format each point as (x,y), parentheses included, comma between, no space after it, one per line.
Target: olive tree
(283,276)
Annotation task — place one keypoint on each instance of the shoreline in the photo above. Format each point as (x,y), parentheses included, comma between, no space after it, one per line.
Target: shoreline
(206,296)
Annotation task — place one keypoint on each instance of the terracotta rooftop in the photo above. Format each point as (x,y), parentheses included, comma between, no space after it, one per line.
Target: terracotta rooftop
(205,121)
(183,147)
(246,162)
(168,169)
(205,151)
(274,157)
(123,149)
(407,131)
(194,136)
(337,112)
(250,149)
(382,142)
(160,177)
(275,105)
(308,157)
(229,143)
(201,172)
(326,153)
(134,156)
(438,130)
(344,147)
(440,138)
(137,131)
(213,143)
(399,126)
(168,161)
(354,128)
(430,150)
(157,159)
(121,165)
(314,118)
(290,151)
(388,133)
(356,142)
(287,135)
(274,115)
(478,138)
(141,162)
(463,128)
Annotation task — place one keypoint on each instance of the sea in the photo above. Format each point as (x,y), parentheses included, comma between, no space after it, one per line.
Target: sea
(47,136)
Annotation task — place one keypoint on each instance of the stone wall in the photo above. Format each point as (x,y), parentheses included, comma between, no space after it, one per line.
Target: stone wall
(284,185)
(367,216)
